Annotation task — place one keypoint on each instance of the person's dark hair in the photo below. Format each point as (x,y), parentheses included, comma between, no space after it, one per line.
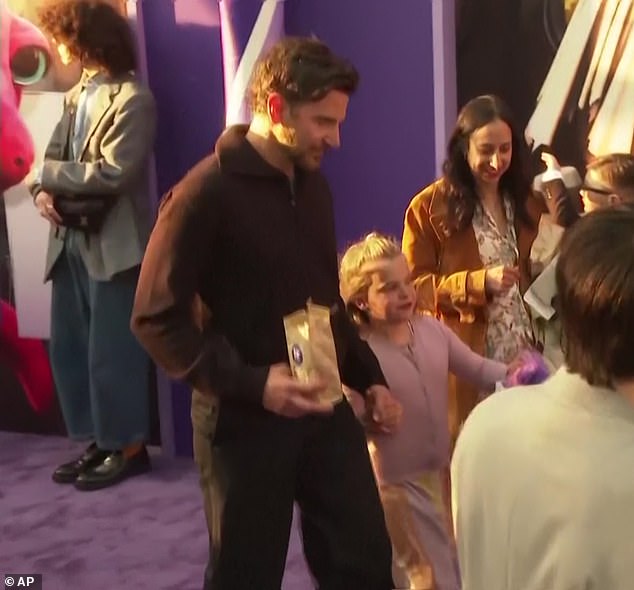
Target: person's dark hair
(92,30)
(301,70)
(457,174)
(617,170)
(595,283)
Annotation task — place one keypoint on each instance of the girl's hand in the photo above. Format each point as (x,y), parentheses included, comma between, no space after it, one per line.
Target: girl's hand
(528,368)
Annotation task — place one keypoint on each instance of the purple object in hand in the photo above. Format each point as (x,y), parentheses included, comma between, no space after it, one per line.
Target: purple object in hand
(531,370)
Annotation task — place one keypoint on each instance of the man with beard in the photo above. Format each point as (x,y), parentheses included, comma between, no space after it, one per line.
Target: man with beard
(248,235)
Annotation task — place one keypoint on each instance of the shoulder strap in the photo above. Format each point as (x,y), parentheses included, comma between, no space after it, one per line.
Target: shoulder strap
(71,110)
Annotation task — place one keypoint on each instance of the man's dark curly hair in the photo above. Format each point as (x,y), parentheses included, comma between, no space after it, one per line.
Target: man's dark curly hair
(93,30)
(301,69)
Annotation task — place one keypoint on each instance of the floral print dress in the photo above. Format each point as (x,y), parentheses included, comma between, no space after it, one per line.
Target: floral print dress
(509,327)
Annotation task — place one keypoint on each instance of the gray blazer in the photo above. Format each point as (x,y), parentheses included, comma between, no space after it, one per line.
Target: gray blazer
(112,161)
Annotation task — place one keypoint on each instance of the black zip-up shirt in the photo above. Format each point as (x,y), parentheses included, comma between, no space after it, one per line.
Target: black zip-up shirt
(254,247)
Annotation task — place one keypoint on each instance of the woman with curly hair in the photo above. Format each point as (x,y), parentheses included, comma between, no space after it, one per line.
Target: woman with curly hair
(92,190)
(91,31)
(467,239)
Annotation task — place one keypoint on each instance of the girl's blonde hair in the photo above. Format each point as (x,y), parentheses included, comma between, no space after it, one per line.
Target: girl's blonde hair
(356,266)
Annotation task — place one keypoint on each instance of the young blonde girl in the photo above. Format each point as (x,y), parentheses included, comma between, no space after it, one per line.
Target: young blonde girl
(416,353)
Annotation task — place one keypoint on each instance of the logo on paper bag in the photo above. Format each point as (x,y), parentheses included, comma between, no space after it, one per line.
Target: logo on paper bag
(298,355)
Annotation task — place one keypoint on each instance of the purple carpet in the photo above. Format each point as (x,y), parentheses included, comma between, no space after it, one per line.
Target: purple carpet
(146,533)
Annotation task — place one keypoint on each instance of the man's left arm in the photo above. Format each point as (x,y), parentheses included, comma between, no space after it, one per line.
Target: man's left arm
(124,151)
(361,369)
(362,372)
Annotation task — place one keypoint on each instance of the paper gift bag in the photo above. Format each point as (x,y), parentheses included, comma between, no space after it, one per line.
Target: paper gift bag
(311,349)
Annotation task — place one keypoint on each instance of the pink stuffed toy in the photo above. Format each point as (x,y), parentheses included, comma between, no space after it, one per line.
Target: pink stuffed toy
(24,60)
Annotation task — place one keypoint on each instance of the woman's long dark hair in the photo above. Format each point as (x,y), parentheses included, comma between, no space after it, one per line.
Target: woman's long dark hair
(515,182)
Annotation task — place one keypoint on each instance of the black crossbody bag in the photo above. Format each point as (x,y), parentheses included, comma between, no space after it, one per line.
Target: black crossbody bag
(81,211)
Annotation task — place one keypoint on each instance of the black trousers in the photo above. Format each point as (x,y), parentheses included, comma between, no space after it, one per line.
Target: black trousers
(258,466)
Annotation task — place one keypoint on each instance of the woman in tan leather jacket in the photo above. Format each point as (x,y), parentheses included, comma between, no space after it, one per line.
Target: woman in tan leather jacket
(468,236)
